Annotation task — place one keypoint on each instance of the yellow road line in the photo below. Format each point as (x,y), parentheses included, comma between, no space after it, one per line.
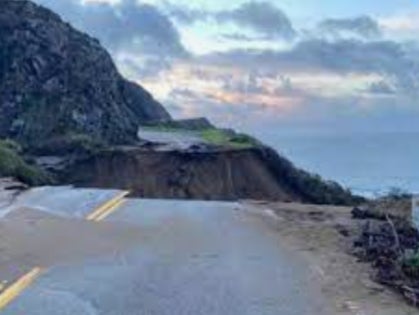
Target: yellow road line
(104,215)
(14,290)
(106,206)
(19,286)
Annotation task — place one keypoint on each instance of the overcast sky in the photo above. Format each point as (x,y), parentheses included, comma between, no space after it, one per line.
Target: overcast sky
(267,66)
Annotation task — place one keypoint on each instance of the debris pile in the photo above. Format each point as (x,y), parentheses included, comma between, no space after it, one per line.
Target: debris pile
(391,244)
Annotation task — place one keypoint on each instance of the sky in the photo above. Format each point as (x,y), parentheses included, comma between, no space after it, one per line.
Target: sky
(267,66)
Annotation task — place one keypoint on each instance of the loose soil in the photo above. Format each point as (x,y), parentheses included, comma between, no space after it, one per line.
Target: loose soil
(324,235)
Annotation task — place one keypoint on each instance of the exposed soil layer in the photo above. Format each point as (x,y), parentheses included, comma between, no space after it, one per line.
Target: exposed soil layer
(257,173)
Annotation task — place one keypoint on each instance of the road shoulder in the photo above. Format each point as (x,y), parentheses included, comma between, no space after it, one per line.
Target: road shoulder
(323,235)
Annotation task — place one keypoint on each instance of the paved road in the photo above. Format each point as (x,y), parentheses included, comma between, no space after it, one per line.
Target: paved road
(172,140)
(192,258)
(64,201)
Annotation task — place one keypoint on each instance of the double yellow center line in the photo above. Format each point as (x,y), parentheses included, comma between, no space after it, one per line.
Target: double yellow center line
(106,209)
(8,294)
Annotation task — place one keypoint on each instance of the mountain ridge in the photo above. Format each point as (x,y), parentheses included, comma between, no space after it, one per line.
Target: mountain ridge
(56,80)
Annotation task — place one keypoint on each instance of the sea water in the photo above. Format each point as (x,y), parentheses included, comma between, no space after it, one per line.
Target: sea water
(370,164)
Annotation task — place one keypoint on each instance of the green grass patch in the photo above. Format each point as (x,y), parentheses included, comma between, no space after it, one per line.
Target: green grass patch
(12,165)
(218,137)
(228,139)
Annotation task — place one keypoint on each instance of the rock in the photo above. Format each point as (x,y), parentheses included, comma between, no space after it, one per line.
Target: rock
(55,80)
(11,184)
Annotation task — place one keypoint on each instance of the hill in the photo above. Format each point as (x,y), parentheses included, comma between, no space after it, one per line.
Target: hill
(55,81)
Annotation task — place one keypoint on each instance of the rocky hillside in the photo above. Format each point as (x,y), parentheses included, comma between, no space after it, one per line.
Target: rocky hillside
(55,81)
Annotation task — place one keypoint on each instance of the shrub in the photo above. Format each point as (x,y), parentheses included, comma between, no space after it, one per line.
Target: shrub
(410,263)
(12,165)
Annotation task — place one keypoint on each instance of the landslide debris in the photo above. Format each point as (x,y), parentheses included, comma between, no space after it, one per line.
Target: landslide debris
(391,244)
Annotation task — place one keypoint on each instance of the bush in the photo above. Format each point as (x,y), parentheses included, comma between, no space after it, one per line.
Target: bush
(12,165)
(70,143)
(410,265)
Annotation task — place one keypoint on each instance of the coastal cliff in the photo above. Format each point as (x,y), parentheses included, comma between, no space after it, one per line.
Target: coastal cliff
(63,100)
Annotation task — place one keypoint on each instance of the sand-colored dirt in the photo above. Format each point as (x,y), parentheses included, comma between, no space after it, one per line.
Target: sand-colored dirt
(324,235)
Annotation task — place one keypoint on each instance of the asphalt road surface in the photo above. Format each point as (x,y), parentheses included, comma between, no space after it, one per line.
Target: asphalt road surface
(181,140)
(192,258)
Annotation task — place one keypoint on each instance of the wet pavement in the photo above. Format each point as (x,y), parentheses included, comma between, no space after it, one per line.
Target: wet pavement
(190,258)
(63,201)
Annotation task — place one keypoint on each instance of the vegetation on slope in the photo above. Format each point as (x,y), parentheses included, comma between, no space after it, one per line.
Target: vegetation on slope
(71,143)
(312,188)
(225,138)
(228,139)
(12,165)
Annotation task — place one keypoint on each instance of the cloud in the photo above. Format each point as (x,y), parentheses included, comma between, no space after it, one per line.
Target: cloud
(239,37)
(184,14)
(401,23)
(247,85)
(261,17)
(363,26)
(343,57)
(124,25)
(381,88)
(137,67)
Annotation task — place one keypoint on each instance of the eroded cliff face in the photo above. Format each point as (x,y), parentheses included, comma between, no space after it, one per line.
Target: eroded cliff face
(218,175)
(55,81)
(256,173)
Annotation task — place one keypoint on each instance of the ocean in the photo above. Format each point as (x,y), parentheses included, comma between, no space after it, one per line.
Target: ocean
(369,164)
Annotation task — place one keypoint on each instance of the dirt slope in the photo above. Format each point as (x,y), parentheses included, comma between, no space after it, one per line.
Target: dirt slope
(255,173)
